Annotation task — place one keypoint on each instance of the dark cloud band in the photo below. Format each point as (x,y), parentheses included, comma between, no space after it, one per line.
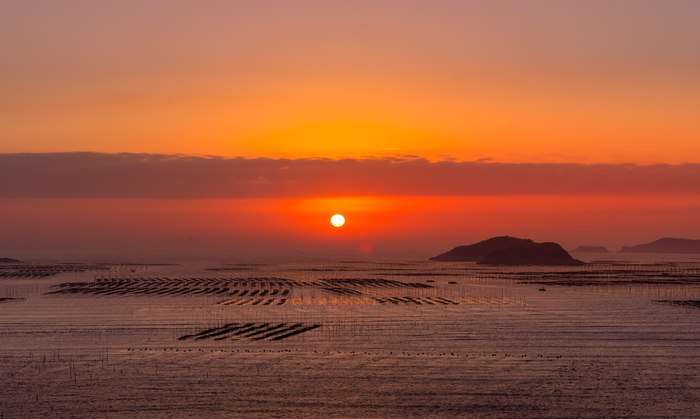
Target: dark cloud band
(98,175)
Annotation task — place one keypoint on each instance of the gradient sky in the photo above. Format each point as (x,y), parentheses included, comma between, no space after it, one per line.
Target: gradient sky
(582,81)
(429,123)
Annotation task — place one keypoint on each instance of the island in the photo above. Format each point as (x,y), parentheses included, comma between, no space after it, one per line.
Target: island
(665,245)
(9,260)
(591,249)
(506,250)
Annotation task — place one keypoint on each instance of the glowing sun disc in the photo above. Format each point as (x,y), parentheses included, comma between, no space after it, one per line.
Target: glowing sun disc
(337,220)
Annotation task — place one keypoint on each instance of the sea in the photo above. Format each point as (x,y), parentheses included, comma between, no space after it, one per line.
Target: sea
(618,337)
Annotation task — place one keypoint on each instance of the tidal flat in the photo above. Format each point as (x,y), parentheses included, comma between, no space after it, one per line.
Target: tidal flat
(615,339)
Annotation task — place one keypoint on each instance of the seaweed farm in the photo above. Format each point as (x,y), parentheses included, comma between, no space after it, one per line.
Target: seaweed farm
(350,340)
(23,270)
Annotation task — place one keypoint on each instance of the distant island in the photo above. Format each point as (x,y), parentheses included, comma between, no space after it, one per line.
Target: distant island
(591,249)
(505,250)
(9,260)
(665,245)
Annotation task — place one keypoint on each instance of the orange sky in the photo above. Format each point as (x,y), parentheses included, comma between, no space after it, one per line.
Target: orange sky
(293,229)
(426,98)
(547,81)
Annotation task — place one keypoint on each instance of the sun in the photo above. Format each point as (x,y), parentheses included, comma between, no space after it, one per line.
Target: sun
(337,220)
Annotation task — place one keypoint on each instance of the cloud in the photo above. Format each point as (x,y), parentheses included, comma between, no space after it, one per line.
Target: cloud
(156,176)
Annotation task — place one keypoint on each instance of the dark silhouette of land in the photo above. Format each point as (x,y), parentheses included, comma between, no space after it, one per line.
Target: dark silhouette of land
(9,260)
(591,249)
(505,250)
(665,245)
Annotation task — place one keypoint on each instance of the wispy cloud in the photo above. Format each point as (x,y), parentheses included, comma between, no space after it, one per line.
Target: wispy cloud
(98,175)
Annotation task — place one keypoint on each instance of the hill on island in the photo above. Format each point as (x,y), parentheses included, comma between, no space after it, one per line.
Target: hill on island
(591,249)
(505,250)
(665,245)
(9,260)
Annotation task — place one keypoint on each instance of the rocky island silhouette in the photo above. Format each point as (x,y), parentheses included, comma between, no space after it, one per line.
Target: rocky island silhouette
(665,245)
(506,250)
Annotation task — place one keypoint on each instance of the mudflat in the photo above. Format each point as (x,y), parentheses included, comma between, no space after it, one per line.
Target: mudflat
(350,340)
